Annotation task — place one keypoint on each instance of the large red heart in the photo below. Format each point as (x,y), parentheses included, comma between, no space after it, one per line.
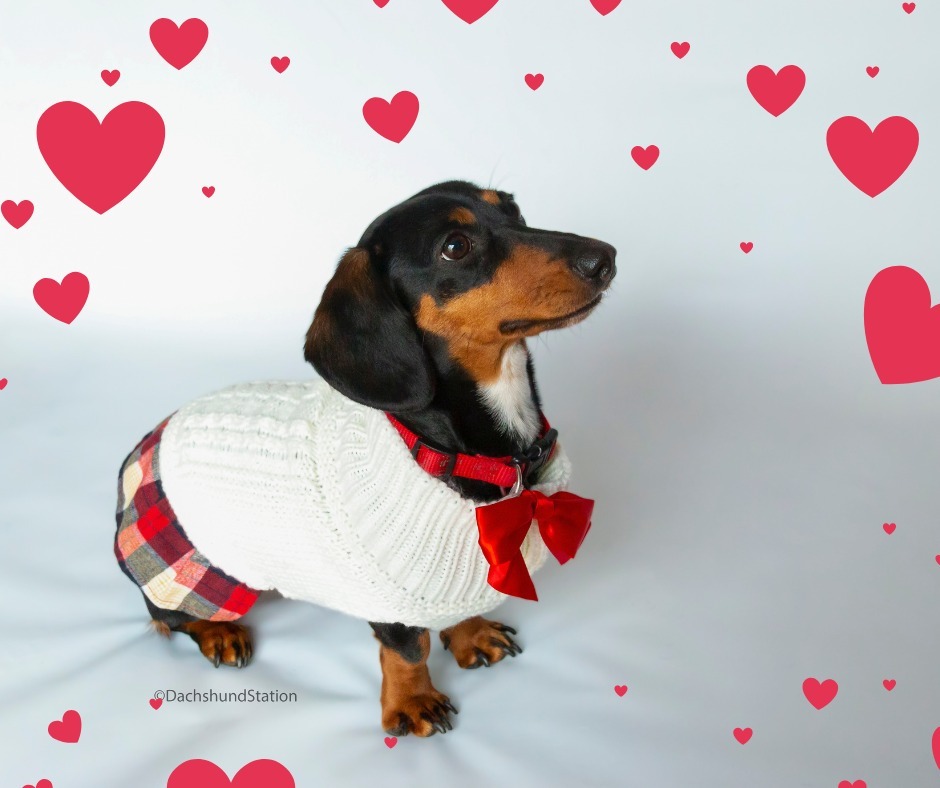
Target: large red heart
(818,693)
(856,784)
(872,160)
(470,10)
(902,328)
(64,302)
(776,92)
(392,119)
(178,46)
(604,7)
(17,214)
(100,163)
(40,784)
(69,728)
(199,773)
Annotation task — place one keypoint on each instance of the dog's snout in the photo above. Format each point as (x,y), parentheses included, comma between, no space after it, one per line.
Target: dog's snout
(596,262)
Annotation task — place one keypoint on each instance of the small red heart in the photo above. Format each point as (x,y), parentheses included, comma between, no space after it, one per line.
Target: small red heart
(178,45)
(889,684)
(937,559)
(40,784)
(110,77)
(69,728)
(645,157)
(935,746)
(470,10)
(3,383)
(908,7)
(280,64)
(820,694)
(17,214)
(391,741)
(208,190)
(873,71)
(392,119)
(380,3)
(743,735)
(64,302)
(199,773)
(604,7)
(856,784)
(901,327)
(156,703)
(889,528)
(620,689)
(746,246)
(534,81)
(680,50)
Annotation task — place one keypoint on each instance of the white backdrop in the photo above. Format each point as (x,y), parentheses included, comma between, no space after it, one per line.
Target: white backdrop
(721,407)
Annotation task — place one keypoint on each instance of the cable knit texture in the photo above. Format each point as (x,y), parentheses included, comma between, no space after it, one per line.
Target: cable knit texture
(293,486)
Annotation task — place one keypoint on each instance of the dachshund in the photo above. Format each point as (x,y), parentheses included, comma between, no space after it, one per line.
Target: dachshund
(422,332)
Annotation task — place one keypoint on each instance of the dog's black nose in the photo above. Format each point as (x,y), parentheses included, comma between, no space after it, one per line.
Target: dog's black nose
(596,262)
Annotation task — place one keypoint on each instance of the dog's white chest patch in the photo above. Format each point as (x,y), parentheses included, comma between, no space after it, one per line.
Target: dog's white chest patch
(509,397)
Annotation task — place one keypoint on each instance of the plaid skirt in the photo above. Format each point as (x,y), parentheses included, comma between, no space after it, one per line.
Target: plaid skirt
(154,551)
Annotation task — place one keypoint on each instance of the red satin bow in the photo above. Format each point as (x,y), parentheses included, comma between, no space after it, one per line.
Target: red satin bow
(563,518)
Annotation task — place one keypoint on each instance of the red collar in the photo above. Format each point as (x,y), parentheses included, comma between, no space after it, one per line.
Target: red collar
(509,471)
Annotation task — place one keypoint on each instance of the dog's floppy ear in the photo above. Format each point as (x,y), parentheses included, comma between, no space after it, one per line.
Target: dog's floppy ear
(365,344)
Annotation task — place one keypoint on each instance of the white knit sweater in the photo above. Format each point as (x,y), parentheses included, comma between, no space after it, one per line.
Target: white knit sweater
(295,487)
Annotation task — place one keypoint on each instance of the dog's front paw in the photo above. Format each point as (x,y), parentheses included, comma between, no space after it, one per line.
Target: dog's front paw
(423,714)
(221,642)
(479,642)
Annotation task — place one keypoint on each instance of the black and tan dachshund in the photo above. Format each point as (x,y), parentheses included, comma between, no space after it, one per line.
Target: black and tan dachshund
(427,319)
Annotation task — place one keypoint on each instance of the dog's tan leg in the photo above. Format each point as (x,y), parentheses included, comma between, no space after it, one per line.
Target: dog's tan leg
(222,642)
(410,704)
(477,642)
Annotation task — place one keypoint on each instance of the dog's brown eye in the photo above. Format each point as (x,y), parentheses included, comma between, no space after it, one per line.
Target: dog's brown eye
(456,247)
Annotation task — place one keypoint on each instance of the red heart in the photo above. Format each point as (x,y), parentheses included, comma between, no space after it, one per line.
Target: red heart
(909,7)
(470,10)
(937,559)
(820,694)
(40,784)
(935,746)
(3,383)
(856,784)
(179,45)
(156,703)
(380,3)
(69,728)
(873,71)
(208,190)
(620,689)
(199,773)
(743,735)
(63,302)
(280,64)
(534,81)
(902,328)
(604,7)
(680,50)
(872,160)
(392,119)
(889,528)
(100,163)
(645,157)
(391,741)
(746,246)
(17,214)
(110,77)
(776,92)
(889,684)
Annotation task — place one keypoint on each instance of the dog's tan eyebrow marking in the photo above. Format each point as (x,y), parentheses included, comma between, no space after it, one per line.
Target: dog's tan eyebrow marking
(462,216)
(490,196)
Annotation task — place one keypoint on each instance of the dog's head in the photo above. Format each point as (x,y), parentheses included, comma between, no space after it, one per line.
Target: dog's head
(457,265)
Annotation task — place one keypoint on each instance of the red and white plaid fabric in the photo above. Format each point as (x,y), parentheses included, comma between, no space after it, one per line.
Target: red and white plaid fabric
(154,551)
